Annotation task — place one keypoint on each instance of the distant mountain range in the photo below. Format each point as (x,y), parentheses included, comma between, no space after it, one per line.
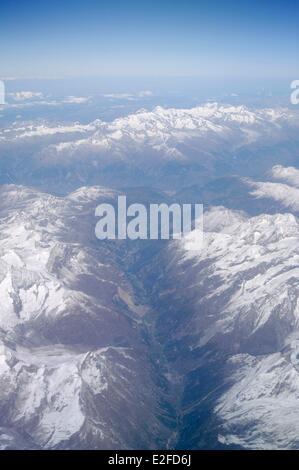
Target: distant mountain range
(162,148)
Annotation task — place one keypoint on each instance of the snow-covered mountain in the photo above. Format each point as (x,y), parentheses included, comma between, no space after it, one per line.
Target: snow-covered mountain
(75,370)
(158,125)
(230,314)
(98,339)
(176,145)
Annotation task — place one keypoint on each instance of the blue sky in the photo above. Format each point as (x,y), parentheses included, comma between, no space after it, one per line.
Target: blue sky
(159,38)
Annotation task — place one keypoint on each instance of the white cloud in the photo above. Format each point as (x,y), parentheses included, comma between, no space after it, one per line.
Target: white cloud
(26,99)
(26,95)
(129,96)
(288,174)
(76,100)
(286,195)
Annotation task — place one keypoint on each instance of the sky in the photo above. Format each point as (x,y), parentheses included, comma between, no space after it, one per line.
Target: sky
(224,38)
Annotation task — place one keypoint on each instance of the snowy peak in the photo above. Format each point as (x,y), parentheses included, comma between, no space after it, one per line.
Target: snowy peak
(70,345)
